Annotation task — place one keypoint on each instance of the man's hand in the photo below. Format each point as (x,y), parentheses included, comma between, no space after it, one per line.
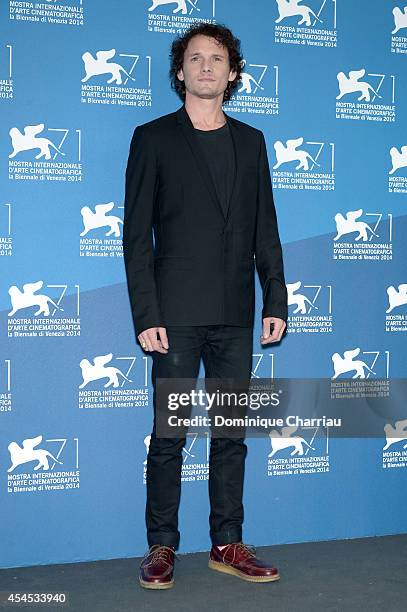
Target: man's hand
(149,341)
(278,330)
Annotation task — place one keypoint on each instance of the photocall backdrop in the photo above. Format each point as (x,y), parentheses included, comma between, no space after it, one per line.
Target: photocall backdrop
(325,80)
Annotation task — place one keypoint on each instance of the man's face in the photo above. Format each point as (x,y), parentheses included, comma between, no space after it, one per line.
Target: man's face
(206,69)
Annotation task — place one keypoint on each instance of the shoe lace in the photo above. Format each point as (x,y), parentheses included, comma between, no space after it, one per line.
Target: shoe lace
(249,549)
(160,552)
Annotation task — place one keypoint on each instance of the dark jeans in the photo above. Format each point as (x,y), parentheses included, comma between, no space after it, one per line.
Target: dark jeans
(227,353)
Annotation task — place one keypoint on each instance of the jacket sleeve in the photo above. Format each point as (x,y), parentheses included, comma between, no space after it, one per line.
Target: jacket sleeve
(140,192)
(268,252)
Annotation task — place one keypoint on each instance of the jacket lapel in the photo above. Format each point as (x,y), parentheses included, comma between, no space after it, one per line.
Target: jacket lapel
(188,131)
(234,134)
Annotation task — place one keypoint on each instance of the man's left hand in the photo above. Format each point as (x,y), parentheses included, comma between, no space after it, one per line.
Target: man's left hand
(278,327)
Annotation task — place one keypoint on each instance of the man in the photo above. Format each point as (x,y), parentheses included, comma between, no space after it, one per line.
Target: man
(200,181)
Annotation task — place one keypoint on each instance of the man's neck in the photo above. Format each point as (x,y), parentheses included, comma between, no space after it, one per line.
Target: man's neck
(205,114)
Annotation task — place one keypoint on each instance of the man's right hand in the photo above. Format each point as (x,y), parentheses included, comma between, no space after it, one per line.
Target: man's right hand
(149,341)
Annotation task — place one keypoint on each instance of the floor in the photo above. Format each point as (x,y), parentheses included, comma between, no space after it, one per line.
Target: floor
(366,574)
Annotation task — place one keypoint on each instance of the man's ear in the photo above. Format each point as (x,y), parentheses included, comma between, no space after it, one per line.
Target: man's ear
(232,75)
(180,74)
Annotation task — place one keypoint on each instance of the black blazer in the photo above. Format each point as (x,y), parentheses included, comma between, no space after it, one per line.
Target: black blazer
(199,268)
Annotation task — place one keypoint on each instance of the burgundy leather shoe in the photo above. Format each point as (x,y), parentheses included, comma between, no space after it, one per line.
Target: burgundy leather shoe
(240,560)
(157,568)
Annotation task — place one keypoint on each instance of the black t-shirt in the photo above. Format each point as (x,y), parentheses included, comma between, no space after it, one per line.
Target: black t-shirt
(217,147)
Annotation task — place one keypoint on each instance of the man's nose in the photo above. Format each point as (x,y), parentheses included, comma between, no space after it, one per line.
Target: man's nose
(206,66)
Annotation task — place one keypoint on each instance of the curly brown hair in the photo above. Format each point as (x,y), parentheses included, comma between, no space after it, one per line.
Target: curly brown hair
(220,33)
